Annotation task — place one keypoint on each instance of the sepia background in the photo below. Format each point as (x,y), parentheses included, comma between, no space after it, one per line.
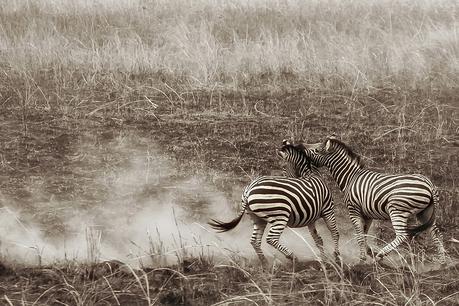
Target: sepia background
(126,125)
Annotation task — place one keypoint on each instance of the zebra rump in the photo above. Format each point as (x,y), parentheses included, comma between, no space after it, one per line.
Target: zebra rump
(414,231)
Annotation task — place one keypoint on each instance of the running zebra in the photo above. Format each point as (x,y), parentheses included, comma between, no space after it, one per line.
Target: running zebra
(371,195)
(277,202)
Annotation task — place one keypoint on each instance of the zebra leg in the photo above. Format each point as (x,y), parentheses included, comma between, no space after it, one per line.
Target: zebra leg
(257,234)
(366,228)
(330,221)
(435,232)
(399,221)
(436,236)
(438,241)
(275,231)
(357,222)
(317,239)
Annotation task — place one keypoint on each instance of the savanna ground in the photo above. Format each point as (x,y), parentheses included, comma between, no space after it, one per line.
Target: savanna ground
(105,105)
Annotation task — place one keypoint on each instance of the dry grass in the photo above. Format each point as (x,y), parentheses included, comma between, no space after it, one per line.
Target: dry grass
(198,282)
(217,85)
(234,44)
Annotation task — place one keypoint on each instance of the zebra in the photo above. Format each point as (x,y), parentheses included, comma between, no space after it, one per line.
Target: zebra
(277,202)
(372,195)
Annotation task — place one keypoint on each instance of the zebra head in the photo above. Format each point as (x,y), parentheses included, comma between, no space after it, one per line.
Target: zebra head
(330,151)
(298,163)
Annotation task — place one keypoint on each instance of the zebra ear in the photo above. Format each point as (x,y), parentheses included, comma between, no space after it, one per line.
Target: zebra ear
(286,142)
(327,145)
(332,136)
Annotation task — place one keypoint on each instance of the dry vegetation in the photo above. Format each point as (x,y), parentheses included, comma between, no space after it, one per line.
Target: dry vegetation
(232,44)
(216,85)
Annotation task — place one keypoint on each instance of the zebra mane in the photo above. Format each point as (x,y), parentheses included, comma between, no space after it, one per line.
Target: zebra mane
(301,147)
(349,151)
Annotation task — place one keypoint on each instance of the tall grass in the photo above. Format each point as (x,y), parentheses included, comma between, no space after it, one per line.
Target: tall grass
(203,43)
(222,284)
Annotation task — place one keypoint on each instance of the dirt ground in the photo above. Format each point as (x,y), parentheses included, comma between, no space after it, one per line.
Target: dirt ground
(51,162)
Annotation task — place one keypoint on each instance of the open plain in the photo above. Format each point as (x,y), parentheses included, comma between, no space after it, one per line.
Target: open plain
(126,125)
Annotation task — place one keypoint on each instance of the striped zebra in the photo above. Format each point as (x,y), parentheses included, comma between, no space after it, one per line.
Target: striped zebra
(277,202)
(372,195)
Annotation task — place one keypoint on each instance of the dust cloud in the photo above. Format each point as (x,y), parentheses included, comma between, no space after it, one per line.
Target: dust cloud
(150,214)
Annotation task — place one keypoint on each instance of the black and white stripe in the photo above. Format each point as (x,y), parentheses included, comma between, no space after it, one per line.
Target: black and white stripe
(372,195)
(277,202)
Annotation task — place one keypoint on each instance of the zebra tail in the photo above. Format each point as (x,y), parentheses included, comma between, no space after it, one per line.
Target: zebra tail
(414,231)
(221,226)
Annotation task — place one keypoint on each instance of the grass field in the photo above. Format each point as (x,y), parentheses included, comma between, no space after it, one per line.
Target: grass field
(126,125)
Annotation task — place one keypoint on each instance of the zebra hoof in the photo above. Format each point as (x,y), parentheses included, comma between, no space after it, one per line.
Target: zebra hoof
(443,262)
(370,252)
(263,261)
(337,257)
(293,258)
(378,258)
